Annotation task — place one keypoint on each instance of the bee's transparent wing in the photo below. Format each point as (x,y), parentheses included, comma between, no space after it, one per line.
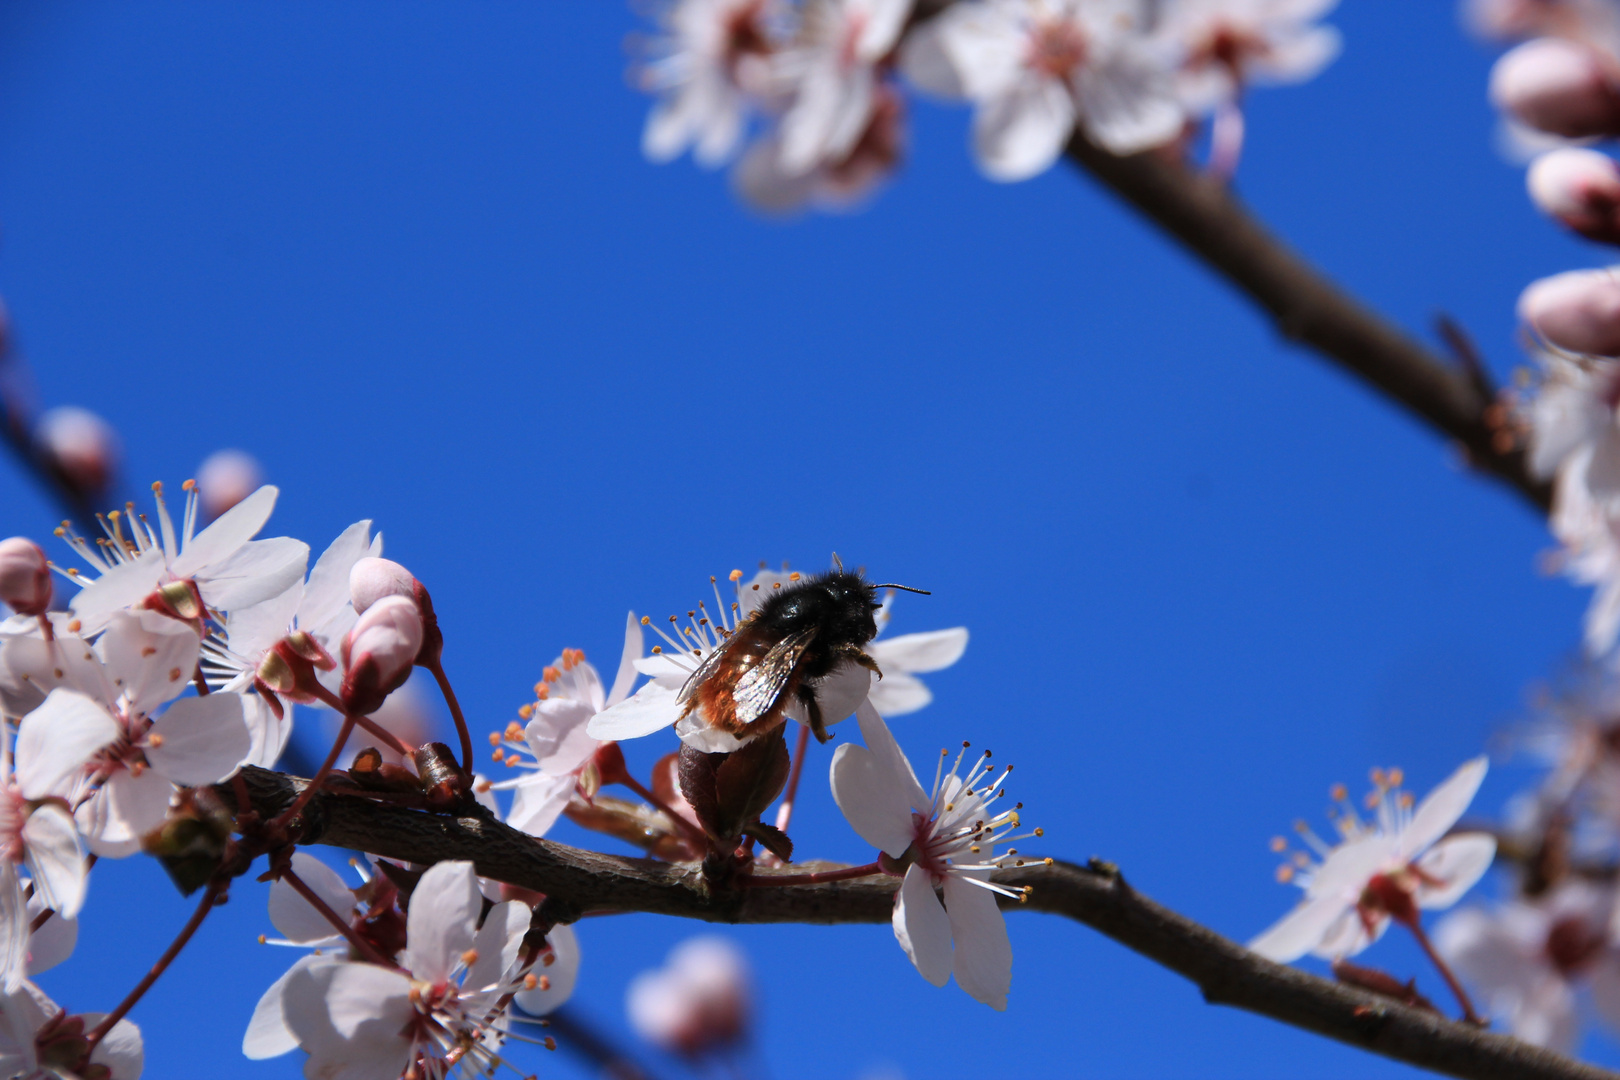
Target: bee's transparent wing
(709,666)
(760,686)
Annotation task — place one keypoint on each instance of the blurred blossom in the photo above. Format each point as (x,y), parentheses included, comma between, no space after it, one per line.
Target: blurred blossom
(1226,45)
(1562,87)
(711,56)
(1381,869)
(225,479)
(1593,20)
(25,578)
(837,184)
(79,447)
(1581,189)
(1528,958)
(1578,311)
(1033,68)
(698,1003)
(39,1039)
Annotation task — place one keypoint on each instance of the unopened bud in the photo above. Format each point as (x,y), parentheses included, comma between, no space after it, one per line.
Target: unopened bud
(79,447)
(379,652)
(1578,310)
(1558,86)
(1581,188)
(373,578)
(225,479)
(25,579)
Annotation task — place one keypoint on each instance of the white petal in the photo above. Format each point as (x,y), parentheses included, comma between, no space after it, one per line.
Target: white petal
(251,631)
(875,806)
(150,657)
(53,942)
(697,734)
(921,925)
(650,709)
(927,65)
(34,667)
(839,695)
(294,917)
(1298,56)
(920,653)
(1019,133)
(881,742)
(120,1050)
(497,944)
(56,739)
(557,736)
(983,964)
(260,570)
(829,114)
(1604,980)
(633,646)
(267,732)
(204,739)
(897,693)
(884,20)
(1298,932)
(986,47)
(267,1034)
(1457,862)
(1127,103)
(326,597)
(368,1008)
(1348,935)
(13,929)
(538,800)
(439,925)
(55,858)
(562,973)
(1439,811)
(119,588)
(125,809)
(232,529)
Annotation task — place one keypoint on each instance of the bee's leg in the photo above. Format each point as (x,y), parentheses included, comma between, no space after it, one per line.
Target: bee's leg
(866,662)
(812,708)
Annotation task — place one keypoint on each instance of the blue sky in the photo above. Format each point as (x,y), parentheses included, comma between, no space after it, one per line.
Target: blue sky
(410,257)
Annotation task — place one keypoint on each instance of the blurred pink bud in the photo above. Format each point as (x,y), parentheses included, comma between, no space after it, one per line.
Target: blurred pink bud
(1557,86)
(372,578)
(379,652)
(79,446)
(698,1002)
(225,479)
(1581,188)
(25,579)
(1578,311)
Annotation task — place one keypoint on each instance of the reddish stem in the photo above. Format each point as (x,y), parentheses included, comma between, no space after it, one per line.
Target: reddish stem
(370,725)
(785,813)
(361,945)
(761,881)
(320,775)
(1445,972)
(210,898)
(455,714)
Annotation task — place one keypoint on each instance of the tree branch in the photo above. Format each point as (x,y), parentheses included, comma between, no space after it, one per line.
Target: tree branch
(575,881)
(1202,213)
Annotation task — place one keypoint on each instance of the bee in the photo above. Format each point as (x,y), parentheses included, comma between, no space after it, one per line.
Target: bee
(780,652)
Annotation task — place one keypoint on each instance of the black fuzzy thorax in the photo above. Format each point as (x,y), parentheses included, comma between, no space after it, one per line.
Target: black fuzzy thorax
(838,605)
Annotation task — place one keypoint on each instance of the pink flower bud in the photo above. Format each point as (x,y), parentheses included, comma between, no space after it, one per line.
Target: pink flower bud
(1558,86)
(699,1003)
(79,446)
(379,652)
(1581,188)
(225,479)
(1578,310)
(25,579)
(373,578)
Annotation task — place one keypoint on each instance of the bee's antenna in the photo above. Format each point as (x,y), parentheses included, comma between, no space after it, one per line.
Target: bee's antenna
(838,562)
(908,588)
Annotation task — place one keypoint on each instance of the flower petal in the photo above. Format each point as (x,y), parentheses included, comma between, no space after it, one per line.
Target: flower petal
(267,1035)
(920,653)
(1439,811)
(538,800)
(650,709)
(897,693)
(56,739)
(921,925)
(445,906)
(203,739)
(1301,930)
(1349,935)
(881,742)
(326,596)
(294,917)
(121,587)
(13,929)
(267,732)
(232,529)
(1457,862)
(561,974)
(149,656)
(983,963)
(125,809)
(557,736)
(55,858)
(120,1050)
(1019,133)
(875,806)
(260,570)
(497,944)
(53,942)
(634,643)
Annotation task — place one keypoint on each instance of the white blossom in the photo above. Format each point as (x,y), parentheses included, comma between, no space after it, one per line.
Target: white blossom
(40,1041)
(1225,45)
(711,58)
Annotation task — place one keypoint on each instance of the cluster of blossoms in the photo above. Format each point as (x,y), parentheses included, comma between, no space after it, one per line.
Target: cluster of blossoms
(825,79)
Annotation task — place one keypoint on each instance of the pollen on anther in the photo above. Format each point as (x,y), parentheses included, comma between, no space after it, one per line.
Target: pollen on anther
(494,738)
(658,650)
(483,787)
(646,620)
(544,982)
(498,754)
(1338,793)
(735,575)
(551,1044)
(263,940)
(174,674)
(530,981)
(1278,844)
(154,740)
(1396,775)
(1040,831)
(1285,873)
(470,957)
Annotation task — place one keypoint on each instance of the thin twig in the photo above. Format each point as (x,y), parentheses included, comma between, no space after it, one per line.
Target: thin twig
(576,881)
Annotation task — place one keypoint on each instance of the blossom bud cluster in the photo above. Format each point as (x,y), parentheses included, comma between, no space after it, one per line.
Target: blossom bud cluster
(826,81)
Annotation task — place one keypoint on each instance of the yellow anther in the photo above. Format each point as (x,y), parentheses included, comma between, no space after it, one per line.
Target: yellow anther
(1376,775)
(1047,860)
(1038,831)
(483,787)
(1278,844)
(470,957)
(1395,777)
(736,575)
(189,485)
(494,738)
(525,711)
(514,733)
(1285,873)
(551,1044)
(544,692)
(497,755)
(545,982)
(157,487)
(550,674)
(1372,800)
(1338,793)
(646,620)
(530,982)
(262,939)
(1405,800)
(154,740)
(793,576)
(658,650)
(1301,827)
(511,760)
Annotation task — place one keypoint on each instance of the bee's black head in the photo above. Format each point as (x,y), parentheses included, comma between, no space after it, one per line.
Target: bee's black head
(851,601)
